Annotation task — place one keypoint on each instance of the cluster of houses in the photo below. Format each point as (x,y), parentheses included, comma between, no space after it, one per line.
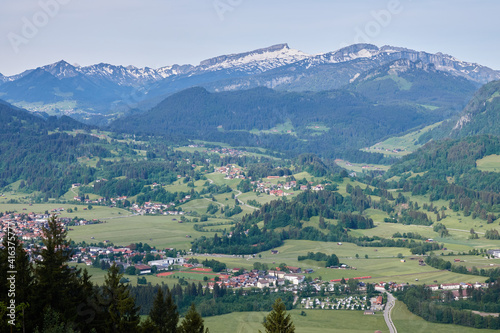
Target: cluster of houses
(327,303)
(157,208)
(113,201)
(279,189)
(123,255)
(227,152)
(260,279)
(231,172)
(28,226)
(396,150)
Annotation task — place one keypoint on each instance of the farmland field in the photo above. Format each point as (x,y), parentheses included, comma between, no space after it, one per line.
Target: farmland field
(97,212)
(405,144)
(97,276)
(489,163)
(382,263)
(405,321)
(315,321)
(159,231)
(356,167)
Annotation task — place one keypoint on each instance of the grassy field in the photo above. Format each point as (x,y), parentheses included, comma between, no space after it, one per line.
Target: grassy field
(453,220)
(405,321)
(159,231)
(316,321)
(406,144)
(97,212)
(286,128)
(243,149)
(97,276)
(382,263)
(180,186)
(402,83)
(360,168)
(318,129)
(489,163)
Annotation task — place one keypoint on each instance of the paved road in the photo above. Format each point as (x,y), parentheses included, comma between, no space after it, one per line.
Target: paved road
(241,202)
(236,196)
(391,301)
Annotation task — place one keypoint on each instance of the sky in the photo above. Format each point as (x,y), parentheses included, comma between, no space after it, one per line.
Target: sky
(157,33)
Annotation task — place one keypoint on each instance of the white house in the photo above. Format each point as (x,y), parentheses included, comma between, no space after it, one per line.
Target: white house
(295,279)
(262,283)
(450,286)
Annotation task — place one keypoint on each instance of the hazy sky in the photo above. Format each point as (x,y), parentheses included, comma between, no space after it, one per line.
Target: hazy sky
(158,33)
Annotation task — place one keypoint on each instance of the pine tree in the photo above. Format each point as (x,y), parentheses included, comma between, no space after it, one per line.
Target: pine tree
(192,322)
(56,284)
(23,278)
(122,313)
(164,313)
(172,314)
(277,321)
(159,310)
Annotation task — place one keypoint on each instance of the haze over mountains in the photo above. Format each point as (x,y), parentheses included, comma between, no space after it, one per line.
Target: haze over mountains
(103,92)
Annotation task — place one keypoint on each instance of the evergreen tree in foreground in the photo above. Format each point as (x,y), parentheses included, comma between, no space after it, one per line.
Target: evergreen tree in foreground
(164,313)
(277,321)
(122,313)
(56,284)
(18,261)
(192,322)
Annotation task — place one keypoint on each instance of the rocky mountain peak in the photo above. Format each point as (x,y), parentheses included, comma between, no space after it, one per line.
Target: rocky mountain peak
(61,70)
(279,54)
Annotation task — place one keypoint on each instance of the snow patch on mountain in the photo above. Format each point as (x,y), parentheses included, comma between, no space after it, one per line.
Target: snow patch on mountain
(385,54)
(130,75)
(61,70)
(254,62)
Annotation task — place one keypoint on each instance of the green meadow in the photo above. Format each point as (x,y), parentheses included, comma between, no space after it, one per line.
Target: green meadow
(315,321)
(489,163)
(405,321)
(360,168)
(336,321)
(285,128)
(159,231)
(406,144)
(97,212)
(382,263)
(98,275)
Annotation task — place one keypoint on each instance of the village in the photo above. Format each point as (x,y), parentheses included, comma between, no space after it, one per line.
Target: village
(141,260)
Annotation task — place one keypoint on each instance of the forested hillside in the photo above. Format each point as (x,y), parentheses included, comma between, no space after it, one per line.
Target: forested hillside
(333,123)
(45,161)
(453,161)
(480,116)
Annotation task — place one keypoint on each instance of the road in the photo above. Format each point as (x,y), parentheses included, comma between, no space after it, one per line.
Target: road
(236,196)
(391,301)
(241,202)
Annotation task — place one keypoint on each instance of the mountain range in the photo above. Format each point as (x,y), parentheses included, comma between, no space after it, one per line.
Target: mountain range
(102,92)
